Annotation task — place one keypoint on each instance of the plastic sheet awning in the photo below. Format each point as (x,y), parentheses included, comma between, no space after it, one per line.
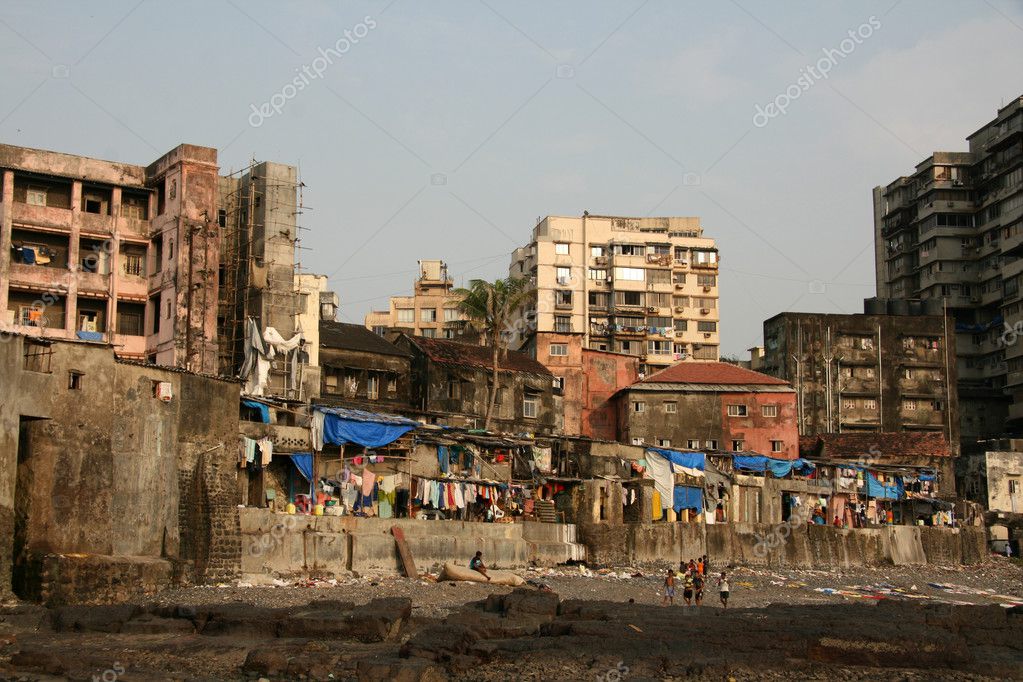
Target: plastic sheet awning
(778,467)
(369,429)
(883,491)
(264,410)
(687,497)
(689,460)
(303,461)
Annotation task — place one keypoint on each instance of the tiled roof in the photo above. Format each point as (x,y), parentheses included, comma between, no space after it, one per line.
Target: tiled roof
(876,445)
(694,372)
(448,352)
(344,336)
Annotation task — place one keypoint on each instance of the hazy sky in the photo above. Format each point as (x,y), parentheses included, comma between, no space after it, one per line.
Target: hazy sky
(444,129)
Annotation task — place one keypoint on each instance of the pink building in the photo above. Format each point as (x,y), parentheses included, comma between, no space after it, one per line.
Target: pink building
(110,252)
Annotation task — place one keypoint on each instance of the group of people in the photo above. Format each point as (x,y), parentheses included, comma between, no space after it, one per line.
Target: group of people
(693,576)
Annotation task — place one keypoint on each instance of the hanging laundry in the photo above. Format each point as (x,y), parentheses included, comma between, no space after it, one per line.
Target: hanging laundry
(368,480)
(442,458)
(387,483)
(266,451)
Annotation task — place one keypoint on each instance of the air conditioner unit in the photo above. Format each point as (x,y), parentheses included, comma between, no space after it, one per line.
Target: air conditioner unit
(651,309)
(704,311)
(680,286)
(679,309)
(601,260)
(706,335)
(706,288)
(682,263)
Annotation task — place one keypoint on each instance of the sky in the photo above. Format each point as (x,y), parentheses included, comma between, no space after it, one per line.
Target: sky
(444,130)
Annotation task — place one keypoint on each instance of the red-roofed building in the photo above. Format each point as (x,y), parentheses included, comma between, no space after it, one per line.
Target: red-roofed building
(710,406)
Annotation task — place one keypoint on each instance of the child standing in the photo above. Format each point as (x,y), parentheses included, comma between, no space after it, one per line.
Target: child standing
(723,589)
(669,588)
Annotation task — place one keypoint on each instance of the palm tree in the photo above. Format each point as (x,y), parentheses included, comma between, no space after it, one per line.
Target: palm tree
(491,307)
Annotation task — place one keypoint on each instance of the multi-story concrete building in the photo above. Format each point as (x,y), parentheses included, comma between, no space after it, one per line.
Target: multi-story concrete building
(867,373)
(431,311)
(710,406)
(112,252)
(646,287)
(953,231)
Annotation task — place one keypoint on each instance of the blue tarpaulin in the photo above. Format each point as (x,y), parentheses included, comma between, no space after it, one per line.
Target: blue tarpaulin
(690,460)
(777,467)
(303,461)
(264,410)
(687,497)
(90,336)
(883,491)
(369,429)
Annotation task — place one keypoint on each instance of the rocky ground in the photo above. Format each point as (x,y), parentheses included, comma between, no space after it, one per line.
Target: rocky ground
(908,623)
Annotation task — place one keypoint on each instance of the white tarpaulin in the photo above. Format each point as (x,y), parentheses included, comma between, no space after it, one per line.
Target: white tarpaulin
(659,469)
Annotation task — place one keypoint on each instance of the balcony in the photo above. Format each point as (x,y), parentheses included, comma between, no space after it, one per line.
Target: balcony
(94,282)
(658,259)
(41,216)
(94,223)
(39,277)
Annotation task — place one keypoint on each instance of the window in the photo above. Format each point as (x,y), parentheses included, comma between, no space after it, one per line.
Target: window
(562,324)
(936,405)
(849,403)
(221,218)
(659,276)
(671,407)
(599,299)
(372,387)
(559,349)
(428,314)
(909,405)
(738,445)
(693,444)
(707,280)
(36,196)
(561,248)
(74,380)
(428,333)
(663,443)
(529,407)
(134,264)
(703,326)
(558,383)
(406,315)
(563,298)
(37,356)
(598,251)
(630,274)
(597,274)
(130,318)
(777,446)
(167,313)
(629,298)
(705,257)
(637,441)
(564,275)
(736,410)
(454,388)
(658,347)
(638,406)
(710,444)
(769,410)
(379,330)
(451,314)
(869,404)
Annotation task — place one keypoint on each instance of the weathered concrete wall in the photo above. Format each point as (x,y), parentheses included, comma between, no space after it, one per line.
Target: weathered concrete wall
(331,545)
(108,469)
(805,546)
(671,542)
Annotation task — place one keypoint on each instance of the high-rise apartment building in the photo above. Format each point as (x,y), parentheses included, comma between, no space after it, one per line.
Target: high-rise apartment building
(112,252)
(872,372)
(431,311)
(646,287)
(953,230)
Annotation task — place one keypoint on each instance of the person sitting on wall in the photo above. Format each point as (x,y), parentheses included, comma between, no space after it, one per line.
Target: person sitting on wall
(476,564)
(818,517)
(838,522)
